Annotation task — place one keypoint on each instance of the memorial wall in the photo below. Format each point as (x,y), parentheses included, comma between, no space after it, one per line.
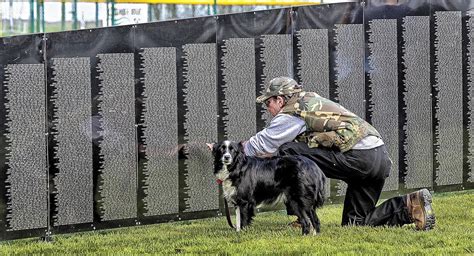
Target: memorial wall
(107,127)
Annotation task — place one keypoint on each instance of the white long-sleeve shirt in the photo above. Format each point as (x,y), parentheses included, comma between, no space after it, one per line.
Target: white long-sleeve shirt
(284,128)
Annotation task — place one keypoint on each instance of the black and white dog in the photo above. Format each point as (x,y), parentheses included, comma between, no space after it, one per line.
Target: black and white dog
(250,181)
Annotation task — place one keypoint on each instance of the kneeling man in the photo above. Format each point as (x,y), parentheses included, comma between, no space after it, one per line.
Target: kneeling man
(344,146)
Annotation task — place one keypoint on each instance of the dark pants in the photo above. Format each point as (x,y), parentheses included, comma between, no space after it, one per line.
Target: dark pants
(365,172)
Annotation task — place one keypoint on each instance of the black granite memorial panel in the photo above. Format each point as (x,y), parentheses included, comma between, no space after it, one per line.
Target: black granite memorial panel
(417,100)
(160,130)
(448,99)
(469,98)
(23,155)
(71,101)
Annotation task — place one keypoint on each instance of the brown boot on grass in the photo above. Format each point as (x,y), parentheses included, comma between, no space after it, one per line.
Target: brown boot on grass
(420,210)
(295,224)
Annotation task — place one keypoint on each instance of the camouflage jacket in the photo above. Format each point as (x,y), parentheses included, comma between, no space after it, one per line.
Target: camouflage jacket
(328,124)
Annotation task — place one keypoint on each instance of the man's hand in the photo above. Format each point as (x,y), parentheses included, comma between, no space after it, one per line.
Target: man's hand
(210,146)
(264,155)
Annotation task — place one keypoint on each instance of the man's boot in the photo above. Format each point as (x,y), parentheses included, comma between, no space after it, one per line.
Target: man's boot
(295,224)
(420,210)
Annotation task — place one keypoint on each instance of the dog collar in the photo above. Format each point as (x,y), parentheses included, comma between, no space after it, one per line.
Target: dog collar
(219,181)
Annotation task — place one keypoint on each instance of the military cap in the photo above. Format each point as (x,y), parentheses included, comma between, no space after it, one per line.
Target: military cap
(279,86)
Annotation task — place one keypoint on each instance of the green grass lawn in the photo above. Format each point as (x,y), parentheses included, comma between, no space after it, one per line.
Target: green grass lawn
(454,234)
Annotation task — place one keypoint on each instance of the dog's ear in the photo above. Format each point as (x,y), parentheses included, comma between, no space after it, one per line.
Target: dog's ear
(210,146)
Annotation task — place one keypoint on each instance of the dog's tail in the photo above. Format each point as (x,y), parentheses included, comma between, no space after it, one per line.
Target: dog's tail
(320,195)
(317,177)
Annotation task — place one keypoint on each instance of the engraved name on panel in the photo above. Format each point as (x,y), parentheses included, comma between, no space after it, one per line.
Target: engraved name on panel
(27,193)
(449,99)
(417,98)
(383,75)
(313,60)
(160,133)
(117,149)
(71,100)
(200,76)
(238,62)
